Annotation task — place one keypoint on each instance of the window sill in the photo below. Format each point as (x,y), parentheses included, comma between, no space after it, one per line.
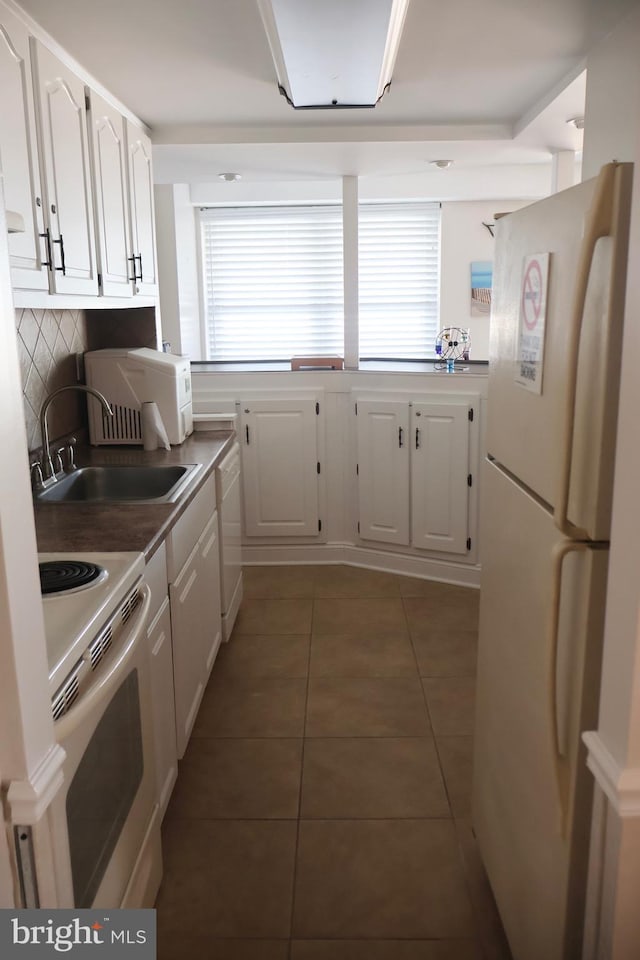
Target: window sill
(472,367)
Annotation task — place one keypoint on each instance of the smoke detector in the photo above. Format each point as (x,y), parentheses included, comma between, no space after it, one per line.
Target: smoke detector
(441,164)
(229,177)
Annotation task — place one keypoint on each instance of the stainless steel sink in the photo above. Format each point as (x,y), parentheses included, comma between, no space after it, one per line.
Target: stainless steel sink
(120,484)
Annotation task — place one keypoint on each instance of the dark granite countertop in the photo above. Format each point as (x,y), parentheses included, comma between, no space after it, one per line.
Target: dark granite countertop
(126,526)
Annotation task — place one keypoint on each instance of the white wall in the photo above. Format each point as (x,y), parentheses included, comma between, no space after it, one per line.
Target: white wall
(464,239)
(612,130)
(178,269)
(28,754)
(612,110)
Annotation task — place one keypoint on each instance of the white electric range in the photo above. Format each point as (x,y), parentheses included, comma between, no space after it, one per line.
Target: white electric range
(105,816)
(74,617)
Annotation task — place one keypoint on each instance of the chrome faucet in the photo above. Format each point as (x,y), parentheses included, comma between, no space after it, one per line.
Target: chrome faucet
(48,470)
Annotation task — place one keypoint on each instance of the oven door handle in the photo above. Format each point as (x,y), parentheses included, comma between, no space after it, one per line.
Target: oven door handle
(105,683)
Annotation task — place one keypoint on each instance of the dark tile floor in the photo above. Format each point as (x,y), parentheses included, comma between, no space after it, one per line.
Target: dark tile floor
(322,810)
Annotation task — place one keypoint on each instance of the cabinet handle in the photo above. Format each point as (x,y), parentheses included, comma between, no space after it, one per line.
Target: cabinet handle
(61,268)
(47,239)
(138,256)
(132,260)
(400,437)
(417,438)
(246,432)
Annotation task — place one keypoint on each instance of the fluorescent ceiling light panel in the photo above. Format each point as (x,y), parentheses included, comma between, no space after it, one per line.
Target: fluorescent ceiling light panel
(333,53)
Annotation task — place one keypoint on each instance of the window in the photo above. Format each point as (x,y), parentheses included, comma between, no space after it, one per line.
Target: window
(399,279)
(272,282)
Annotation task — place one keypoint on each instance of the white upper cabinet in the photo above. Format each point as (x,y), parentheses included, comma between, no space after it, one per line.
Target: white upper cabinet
(383,470)
(111,198)
(141,204)
(19,157)
(440,476)
(65,156)
(280,467)
(77,172)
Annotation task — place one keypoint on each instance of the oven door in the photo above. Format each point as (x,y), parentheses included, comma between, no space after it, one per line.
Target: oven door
(105,814)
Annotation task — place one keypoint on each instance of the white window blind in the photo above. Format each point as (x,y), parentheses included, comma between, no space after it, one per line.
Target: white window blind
(272,280)
(399,279)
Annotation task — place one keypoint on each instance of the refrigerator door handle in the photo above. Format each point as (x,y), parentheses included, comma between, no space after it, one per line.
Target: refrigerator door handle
(558,554)
(599,224)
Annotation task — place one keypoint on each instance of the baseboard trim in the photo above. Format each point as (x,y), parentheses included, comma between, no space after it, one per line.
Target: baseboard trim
(426,568)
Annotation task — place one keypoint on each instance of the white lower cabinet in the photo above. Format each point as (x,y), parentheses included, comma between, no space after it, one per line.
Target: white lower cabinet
(440,477)
(228,485)
(280,467)
(211,606)
(383,471)
(161,668)
(164,714)
(414,474)
(194,589)
(189,676)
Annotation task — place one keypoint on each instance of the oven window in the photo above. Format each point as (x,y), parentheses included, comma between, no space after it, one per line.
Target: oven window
(103,790)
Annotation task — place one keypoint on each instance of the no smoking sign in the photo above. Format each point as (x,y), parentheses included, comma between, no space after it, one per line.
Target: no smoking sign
(532,293)
(533,306)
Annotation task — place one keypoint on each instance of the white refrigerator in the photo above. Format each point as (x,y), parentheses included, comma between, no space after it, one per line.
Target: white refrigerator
(556,325)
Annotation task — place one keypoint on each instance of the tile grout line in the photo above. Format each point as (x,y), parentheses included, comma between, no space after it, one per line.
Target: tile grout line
(433,732)
(478,937)
(299,818)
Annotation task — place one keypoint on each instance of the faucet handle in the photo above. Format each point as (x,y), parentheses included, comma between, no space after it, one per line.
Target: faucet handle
(59,467)
(70,453)
(37,481)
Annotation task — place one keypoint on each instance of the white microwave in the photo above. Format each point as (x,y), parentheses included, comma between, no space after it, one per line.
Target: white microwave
(129,378)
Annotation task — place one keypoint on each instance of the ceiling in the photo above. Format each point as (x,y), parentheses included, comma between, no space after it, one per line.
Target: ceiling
(478,81)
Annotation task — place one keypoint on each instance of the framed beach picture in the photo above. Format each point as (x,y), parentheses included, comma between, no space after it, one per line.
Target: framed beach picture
(481,280)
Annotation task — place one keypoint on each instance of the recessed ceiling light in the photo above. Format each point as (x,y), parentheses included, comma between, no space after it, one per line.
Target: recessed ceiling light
(577,122)
(441,164)
(229,177)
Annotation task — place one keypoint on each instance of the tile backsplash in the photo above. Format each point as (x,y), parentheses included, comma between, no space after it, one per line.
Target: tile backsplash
(48,341)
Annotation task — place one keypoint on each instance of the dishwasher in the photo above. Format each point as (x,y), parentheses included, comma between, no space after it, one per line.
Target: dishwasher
(229,520)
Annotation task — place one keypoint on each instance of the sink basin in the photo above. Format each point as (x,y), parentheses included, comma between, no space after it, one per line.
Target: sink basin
(120,484)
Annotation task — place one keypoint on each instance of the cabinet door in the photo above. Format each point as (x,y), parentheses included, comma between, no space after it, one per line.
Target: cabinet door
(67,175)
(141,204)
(383,470)
(230,527)
(164,714)
(280,467)
(211,619)
(19,156)
(186,630)
(439,476)
(111,198)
